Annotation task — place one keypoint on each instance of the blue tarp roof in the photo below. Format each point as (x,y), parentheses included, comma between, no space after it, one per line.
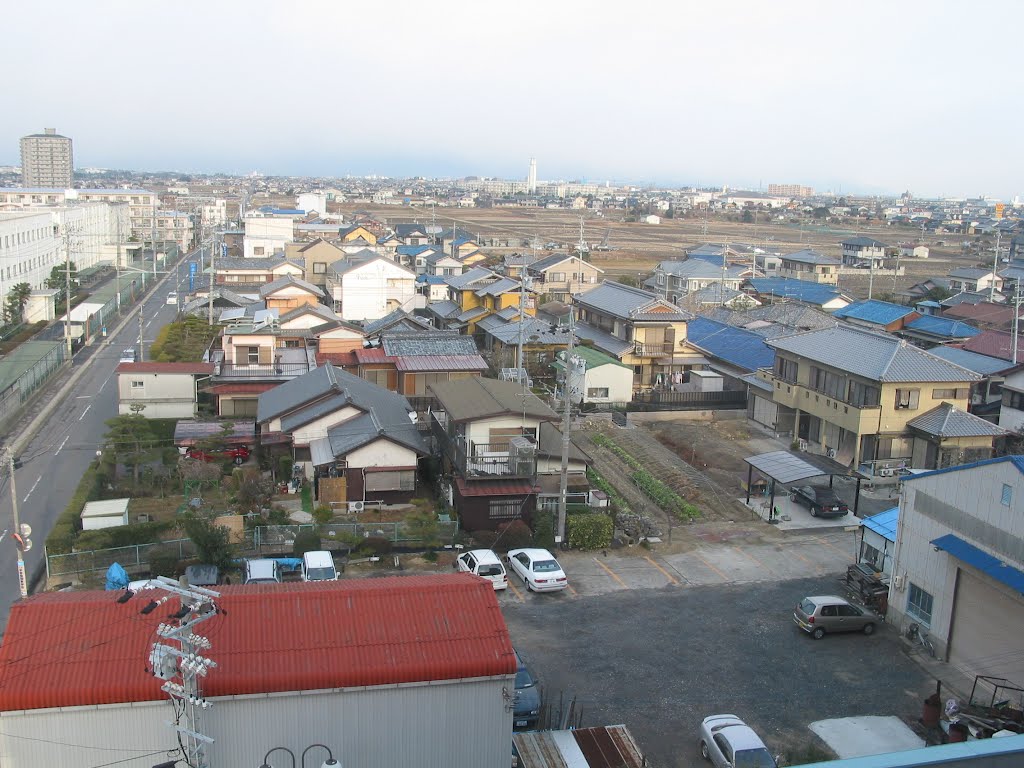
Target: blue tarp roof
(983,561)
(943,326)
(884,523)
(873,311)
(740,347)
(801,290)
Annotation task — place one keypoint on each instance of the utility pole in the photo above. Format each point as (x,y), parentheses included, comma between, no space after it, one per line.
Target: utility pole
(22,543)
(117,267)
(67,293)
(995,268)
(213,276)
(142,353)
(563,482)
(871,276)
(1016,319)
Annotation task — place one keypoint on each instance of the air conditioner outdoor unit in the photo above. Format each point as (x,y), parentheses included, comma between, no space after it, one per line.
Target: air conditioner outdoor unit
(356,506)
(886,472)
(899,581)
(831,453)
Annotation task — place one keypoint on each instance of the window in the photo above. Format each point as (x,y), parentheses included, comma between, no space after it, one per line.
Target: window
(140,385)
(943,394)
(238,406)
(378,376)
(786,369)
(863,395)
(1013,399)
(919,604)
(828,383)
(504,509)
(398,480)
(1005,498)
(258,250)
(907,399)
(556,277)
(661,278)
(252,355)
(319,267)
(597,391)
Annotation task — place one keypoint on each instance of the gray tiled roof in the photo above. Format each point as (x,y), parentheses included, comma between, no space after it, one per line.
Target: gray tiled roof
(969,273)
(810,256)
(498,287)
(287,280)
(251,265)
(549,261)
(376,423)
(427,343)
(321,310)
(444,309)
(874,356)
(629,303)
(613,345)
(947,420)
(397,318)
(864,242)
(698,268)
(466,279)
(534,332)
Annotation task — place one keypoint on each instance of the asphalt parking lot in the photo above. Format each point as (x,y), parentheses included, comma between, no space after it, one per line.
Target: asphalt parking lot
(660,658)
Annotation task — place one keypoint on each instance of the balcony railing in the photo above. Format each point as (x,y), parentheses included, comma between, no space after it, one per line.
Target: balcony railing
(279,371)
(484,460)
(656,349)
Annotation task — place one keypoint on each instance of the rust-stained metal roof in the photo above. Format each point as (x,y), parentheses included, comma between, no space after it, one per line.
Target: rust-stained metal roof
(609,746)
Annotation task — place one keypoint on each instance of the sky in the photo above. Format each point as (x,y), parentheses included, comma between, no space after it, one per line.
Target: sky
(872,97)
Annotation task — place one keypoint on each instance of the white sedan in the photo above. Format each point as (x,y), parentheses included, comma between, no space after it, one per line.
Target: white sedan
(538,569)
(728,742)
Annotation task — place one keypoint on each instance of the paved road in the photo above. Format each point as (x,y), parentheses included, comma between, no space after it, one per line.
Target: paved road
(55,459)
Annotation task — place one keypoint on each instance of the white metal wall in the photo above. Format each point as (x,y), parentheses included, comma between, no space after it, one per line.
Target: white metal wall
(463,724)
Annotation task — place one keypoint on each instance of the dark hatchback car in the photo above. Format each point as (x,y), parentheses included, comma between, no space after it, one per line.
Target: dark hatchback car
(822,502)
(526,711)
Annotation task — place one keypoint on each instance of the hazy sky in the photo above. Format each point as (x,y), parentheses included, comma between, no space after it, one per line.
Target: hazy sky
(862,96)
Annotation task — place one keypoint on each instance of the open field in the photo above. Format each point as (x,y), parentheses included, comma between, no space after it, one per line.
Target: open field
(639,247)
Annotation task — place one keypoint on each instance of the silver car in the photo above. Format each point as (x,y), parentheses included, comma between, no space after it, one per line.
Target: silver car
(824,614)
(728,742)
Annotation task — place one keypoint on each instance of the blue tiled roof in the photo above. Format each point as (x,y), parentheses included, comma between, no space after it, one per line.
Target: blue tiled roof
(733,345)
(801,290)
(873,311)
(943,326)
(884,523)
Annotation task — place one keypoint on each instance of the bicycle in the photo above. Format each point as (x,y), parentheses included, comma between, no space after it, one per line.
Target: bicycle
(919,636)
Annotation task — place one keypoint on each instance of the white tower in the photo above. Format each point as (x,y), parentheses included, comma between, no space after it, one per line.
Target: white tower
(531,179)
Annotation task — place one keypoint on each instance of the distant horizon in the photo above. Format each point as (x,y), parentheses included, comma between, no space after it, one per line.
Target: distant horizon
(872,98)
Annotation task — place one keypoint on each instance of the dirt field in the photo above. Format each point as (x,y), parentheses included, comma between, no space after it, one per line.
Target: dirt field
(640,246)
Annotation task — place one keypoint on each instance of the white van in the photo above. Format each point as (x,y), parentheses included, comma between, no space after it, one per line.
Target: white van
(483,563)
(263,571)
(128,355)
(318,566)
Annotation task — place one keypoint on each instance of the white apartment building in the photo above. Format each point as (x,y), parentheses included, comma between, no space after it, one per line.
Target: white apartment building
(370,289)
(47,160)
(266,234)
(142,203)
(32,241)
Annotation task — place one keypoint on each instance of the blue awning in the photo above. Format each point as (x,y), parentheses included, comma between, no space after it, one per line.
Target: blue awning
(983,561)
(884,523)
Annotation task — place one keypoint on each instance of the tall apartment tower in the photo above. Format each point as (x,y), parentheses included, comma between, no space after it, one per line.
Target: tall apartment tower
(47,160)
(531,179)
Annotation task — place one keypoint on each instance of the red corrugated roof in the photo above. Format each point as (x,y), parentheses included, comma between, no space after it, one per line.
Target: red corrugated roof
(64,649)
(440,363)
(496,487)
(992,343)
(372,355)
(239,389)
(204,369)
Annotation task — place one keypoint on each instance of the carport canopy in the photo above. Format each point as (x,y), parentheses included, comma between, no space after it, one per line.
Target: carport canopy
(788,467)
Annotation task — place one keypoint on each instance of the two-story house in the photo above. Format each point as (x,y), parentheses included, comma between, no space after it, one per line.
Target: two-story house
(851,393)
(239,274)
(370,288)
(973,280)
(560,276)
(412,234)
(164,390)
(674,280)
(638,328)
(355,440)
(486,433)
(442,265)
(863,251)
(290,292)
(480,292)
(808,264)
(316,257)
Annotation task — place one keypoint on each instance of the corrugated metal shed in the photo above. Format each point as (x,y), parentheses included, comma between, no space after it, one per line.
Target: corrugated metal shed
(67,649)
(610,746)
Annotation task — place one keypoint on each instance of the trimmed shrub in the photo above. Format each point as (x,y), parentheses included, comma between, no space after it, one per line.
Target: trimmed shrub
(484,539)
(376,545)
(306,541)
(121,536)
(593,530)
(285,464)
(163,561)
(322,514)
(544,529)
(62,535)
(513,535)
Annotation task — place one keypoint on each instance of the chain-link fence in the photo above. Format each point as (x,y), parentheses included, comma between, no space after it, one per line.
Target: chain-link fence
(275,538)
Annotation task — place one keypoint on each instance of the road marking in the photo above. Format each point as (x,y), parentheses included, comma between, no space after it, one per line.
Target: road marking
(85,411)
(817,568)
(747,554)
(83,397)
(62,445)
(571,590)
(709,565)
(828,544)
(148,324)
(664,573)
(611,573)
(32,488)
(515,591)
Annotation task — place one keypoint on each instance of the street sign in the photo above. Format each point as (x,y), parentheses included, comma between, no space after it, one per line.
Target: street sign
(22,581)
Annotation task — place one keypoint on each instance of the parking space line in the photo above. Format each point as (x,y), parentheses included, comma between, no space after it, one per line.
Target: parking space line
(664,573)
(611,573)
(572,591)
(721,575)
(515,591)
(817,568)
(756,560)
(831,546)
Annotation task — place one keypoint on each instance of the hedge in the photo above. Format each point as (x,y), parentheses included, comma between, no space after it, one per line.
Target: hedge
(61,538)
(593,530)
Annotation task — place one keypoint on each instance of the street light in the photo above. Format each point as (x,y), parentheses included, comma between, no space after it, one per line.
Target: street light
(330,762)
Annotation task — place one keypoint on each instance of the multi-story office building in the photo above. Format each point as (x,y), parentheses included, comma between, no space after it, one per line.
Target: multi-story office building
(790,190)
(47,160)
